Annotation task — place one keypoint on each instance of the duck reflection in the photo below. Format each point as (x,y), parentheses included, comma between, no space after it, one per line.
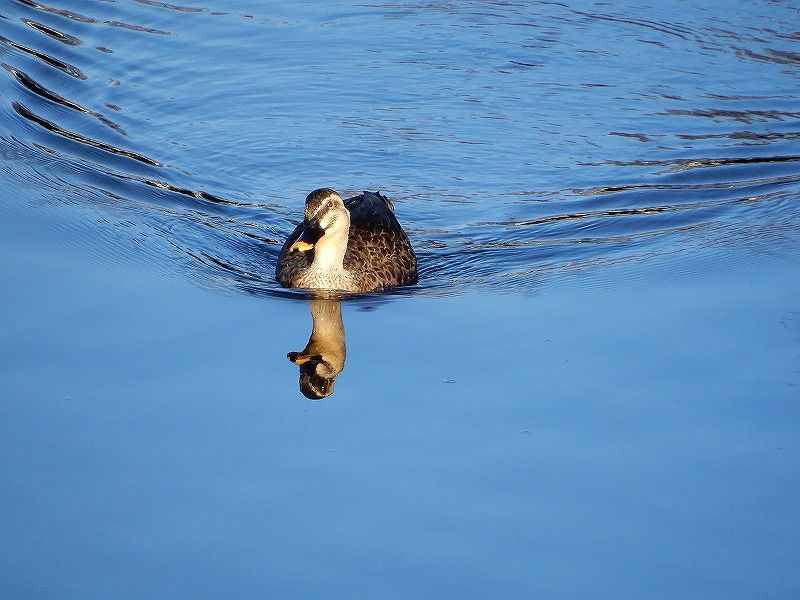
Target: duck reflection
(323,358)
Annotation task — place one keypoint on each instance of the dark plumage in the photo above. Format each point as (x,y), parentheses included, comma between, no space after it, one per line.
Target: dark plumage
(378,253)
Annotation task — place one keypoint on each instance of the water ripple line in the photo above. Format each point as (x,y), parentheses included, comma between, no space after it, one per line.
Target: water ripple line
(25,112)
(31,84)
(45,58)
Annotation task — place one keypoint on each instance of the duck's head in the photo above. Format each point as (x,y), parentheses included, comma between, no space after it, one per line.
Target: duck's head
(317,376)
(325,214)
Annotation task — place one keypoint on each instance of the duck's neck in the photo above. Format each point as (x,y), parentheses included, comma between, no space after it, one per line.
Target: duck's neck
(327,337)
(330,249)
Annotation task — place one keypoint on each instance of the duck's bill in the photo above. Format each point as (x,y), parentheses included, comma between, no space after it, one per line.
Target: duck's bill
(309,236)
(301,246)
(300,358)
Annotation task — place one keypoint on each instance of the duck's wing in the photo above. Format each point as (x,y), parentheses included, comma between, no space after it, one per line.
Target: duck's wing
(291,264)
(379,253)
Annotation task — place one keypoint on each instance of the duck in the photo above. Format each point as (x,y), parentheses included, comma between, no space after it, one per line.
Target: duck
(352,245)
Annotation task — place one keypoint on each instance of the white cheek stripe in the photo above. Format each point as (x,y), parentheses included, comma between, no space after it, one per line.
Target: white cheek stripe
(319,210)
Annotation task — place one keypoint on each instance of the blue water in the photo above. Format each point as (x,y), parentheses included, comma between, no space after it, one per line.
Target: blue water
(594,391)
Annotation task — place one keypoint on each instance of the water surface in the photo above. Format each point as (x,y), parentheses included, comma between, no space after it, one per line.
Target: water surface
(593,392)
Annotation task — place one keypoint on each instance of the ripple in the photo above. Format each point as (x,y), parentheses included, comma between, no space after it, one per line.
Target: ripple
(139,28)
(679,165)
(81,18)
(64,38)
(74,16)
(175,7)
(32,85)
(780,57)
(750,136)
(46,58)
(743,116)
(25,112)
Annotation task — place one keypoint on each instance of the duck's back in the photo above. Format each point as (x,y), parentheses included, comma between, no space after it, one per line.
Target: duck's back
(379,253)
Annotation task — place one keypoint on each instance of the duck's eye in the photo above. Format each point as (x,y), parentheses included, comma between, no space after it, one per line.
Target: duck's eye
(330,203)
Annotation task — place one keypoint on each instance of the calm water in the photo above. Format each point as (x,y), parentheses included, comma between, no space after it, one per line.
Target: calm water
(594,392)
